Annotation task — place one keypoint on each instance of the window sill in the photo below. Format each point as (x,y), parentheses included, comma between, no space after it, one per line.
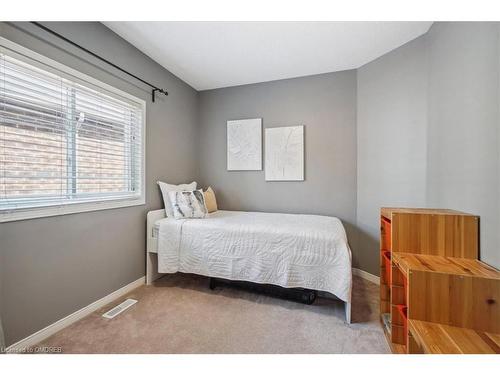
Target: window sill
(74,208)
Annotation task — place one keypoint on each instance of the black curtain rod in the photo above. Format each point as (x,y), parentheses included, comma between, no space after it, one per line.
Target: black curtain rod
(154,88)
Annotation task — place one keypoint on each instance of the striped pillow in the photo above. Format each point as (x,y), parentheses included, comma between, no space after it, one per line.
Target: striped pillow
(188,204)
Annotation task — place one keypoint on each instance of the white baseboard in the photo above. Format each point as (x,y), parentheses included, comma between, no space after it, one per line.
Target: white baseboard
(44,333)
(366,275)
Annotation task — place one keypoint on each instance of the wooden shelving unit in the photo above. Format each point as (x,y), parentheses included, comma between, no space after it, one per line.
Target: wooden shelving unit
(430,273)
(435,338)
(439,264)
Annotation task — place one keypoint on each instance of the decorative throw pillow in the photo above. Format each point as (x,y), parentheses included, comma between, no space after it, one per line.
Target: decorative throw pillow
(188,204)
(166,188)
(210,201)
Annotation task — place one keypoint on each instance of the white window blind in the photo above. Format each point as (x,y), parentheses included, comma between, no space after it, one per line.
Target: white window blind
(63,141)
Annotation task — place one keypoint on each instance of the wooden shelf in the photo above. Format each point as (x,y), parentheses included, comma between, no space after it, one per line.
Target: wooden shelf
(430,273)
(447,233)
(457,266)
(388,211)
(434,338)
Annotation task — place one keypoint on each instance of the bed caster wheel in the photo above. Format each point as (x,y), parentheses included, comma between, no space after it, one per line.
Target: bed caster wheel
(212,284)
(309,298)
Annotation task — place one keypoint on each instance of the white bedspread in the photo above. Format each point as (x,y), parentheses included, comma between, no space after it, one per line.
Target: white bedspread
(305,251)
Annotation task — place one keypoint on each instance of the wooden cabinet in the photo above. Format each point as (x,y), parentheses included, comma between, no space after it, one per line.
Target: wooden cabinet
(430,273)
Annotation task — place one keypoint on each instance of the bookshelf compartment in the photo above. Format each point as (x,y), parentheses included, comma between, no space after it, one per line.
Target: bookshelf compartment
(402,312)
(395,316)
(386,234)
(398,334)
(398,295)
(398,277)
(386,255)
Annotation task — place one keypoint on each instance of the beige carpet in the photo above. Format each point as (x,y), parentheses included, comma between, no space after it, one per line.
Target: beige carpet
(180,314)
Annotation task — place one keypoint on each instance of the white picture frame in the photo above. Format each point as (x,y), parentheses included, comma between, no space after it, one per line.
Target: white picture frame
(284,153)
(244,145)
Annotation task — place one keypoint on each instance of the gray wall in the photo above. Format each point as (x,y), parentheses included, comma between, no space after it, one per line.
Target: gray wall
(2,336)
(326,105)
(392,137)
(464,123)
(428,131)
(52,267)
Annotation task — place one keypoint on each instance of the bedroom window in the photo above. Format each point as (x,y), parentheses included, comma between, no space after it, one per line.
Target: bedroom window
(68,142)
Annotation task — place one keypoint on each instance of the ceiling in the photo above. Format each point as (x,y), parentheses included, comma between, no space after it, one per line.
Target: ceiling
(210,55)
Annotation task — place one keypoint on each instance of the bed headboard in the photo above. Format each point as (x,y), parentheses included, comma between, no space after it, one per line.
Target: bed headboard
(152,246)
(151,219)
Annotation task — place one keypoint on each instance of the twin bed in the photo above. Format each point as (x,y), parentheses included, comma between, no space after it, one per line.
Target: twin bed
(291,251)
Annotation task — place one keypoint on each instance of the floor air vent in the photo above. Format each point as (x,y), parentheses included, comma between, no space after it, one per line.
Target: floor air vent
(119,309)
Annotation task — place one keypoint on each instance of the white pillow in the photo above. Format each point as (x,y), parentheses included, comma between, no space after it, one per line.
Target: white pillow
(165,188)
(188,204)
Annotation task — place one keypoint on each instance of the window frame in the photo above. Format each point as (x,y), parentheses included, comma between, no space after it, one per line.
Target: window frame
(38,60)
